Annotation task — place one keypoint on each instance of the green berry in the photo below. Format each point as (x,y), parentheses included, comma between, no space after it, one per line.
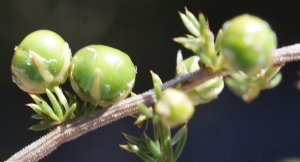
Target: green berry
(174,108)
(247,44)
(102,75)
(41,61)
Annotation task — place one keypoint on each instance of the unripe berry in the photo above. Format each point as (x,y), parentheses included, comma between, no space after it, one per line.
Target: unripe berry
(175,108)
(41,61)
(101,75)
(247,44)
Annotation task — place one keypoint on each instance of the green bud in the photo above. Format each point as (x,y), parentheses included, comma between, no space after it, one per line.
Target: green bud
(41,61)
(247,44)
(204,92)
(101,75)
(175,108)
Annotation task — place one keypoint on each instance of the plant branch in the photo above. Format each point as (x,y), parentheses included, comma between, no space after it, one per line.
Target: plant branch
(69,131)
(286,54)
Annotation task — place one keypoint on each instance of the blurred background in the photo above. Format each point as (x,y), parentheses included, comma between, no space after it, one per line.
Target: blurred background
(227,129)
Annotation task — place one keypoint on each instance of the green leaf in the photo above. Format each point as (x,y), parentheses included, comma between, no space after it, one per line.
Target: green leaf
(236,87)
(56,107)
(180,145)
(204,59)
(81,111)
(61,97)
(271,71)
(70,111)
(41,126)
(193,44)
(135,115)
(157,83)
(132,94)
(38,116)
(189,24)
(274,81)
(90,109)
(35,108)
(145,110)
(140,119)
(156,79)
(155,119)
(71,98)
(185,40)
(168,150)
(181,69)
(156,133)
(127,148)
(202,21)
(178,135)
(142,154)
(44,107)
(153,148)
(135,140)
(218,41)
(164,133)
(192,18)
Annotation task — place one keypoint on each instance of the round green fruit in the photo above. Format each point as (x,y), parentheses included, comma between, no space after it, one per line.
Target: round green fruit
(175,108)
(41,61)
(247,44)
(101,75)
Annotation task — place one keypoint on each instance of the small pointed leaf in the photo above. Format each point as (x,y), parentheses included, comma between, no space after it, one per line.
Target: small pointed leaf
(180,68)
(157,83)
(70,111)
(180,146)
(135,115)
(41,126)
(56,107)
(274,81)
(61,97)
(153,148)
(140,119)
(218,41)
(71,98)
(178,135)
(126,147)
(35,108)
(38,116)
(135,140)
(142,154)
(190,26)
(45,107)
(165,133)
(192,18)
(132,94)
(90,109)
(145,110)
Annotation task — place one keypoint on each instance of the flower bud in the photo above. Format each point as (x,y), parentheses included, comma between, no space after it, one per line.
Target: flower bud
(101,75)
(41,61)
(204,92)
(247,44)
(175,108)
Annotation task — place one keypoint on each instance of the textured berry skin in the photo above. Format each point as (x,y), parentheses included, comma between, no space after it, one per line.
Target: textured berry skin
(40,61)
(101,75)
(247,44)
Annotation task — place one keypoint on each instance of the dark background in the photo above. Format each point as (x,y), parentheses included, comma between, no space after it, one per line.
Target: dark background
(226,129)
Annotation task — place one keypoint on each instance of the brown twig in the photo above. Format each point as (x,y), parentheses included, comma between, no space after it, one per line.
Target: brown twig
(286,54)
(69,131)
